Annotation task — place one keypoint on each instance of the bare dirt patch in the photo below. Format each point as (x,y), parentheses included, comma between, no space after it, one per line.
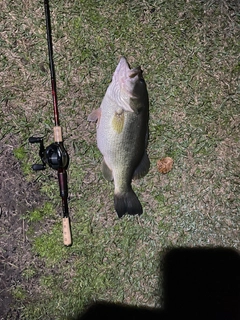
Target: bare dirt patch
(16,197)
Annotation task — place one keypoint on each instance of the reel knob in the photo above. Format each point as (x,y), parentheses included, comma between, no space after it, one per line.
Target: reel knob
(35,139)
(37,167)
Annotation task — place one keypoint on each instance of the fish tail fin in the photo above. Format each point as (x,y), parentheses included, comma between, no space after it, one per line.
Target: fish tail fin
(127,202)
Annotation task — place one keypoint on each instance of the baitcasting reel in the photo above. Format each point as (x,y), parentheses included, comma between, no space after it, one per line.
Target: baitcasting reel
(54,155)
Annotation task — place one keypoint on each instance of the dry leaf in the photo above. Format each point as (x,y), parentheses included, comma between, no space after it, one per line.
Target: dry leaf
(164,165)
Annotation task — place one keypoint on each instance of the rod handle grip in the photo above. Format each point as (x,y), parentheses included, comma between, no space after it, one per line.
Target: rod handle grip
(57,131)
(67,237)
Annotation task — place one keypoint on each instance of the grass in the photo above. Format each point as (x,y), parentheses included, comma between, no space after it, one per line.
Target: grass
(189,51)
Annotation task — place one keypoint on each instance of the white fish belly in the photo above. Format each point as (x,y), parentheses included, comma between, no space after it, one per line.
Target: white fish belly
(122,147)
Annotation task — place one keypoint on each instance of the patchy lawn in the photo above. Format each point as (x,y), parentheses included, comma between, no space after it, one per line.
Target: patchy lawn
(189,51)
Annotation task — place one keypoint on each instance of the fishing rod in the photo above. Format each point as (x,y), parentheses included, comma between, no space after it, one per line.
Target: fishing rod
(55,155)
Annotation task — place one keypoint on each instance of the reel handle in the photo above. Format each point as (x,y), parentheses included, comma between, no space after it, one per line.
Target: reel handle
(36,166)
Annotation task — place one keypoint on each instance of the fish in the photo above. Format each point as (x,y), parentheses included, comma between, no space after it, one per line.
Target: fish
(122,125)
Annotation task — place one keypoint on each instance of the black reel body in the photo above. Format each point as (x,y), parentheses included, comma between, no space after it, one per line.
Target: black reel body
(54,155)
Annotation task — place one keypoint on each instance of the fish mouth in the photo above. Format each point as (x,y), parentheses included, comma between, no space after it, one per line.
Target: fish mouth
(124,70)
(122,67)
(124,81)
(132,73)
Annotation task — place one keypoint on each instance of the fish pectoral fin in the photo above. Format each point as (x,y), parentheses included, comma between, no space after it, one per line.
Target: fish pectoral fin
(142,168)
(95,115)
(107,172)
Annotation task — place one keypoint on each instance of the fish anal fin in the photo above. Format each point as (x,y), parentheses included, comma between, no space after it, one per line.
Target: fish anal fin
(107,172)
(142,168)
(95,115)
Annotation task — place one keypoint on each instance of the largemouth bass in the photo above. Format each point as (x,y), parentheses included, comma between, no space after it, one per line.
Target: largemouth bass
(122,134)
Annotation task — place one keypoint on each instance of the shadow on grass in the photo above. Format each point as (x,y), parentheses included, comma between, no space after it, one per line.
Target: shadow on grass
(198,283)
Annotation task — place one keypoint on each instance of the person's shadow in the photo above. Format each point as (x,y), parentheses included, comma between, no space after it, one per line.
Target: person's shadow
(198,283)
